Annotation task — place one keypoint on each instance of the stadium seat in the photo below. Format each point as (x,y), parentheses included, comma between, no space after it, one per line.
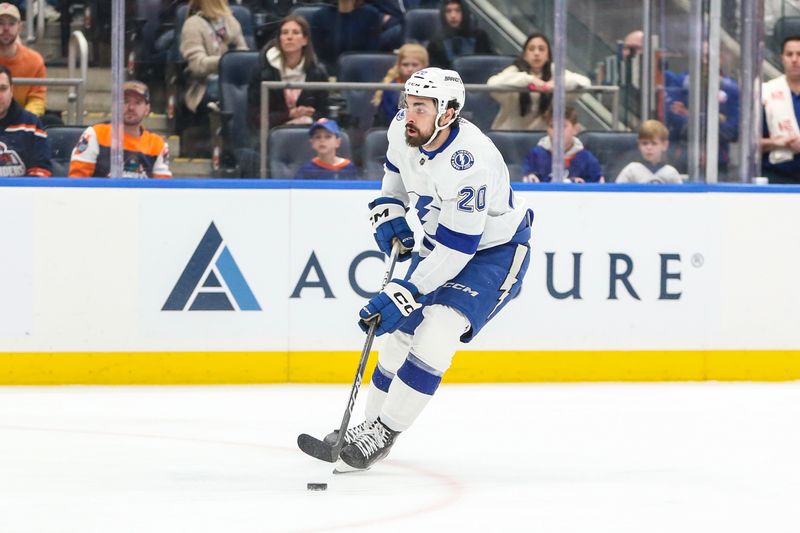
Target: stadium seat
(306,11)
(480,107)
(614,149)
(784,27)
(235,69)
(62,140)
(375,145)
(421,25)
(515,145)
(289,149)
(363,67)
(245,18)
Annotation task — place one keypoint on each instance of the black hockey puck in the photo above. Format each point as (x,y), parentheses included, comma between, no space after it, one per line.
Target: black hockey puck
(317,486)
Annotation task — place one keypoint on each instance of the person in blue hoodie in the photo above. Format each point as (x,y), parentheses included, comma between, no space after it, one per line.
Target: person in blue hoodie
(580,165)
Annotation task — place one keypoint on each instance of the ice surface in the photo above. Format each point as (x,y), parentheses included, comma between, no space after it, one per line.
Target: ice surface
(688,457)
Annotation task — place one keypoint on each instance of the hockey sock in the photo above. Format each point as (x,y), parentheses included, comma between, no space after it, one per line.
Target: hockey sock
(381,380)
(409,393)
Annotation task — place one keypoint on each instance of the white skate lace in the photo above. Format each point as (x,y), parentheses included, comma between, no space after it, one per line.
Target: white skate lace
(355,431)
(372,439)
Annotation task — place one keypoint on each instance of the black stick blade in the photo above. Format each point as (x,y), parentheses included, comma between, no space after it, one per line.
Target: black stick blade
(317,449)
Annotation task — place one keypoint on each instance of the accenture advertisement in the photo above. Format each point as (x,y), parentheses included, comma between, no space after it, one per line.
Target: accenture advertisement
(145,269)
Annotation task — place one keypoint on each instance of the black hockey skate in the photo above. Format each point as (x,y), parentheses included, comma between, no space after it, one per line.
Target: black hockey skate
(349,435)
(369,447)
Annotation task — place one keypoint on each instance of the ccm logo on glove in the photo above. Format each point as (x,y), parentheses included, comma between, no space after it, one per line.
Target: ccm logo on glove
(401,301)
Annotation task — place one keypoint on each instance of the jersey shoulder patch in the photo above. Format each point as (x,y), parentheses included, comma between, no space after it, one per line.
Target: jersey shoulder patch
(462,160)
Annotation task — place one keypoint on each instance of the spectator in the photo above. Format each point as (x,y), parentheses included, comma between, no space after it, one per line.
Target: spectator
(633,45)
(533,69)
(209,32)
(24,150)
(351,26)
(651,168)
(289,58)
(780,143)
(676,103)
(410,58)
(22,61)
(580,165)
(392,21)
(145,154)
(458,37)
(326,138)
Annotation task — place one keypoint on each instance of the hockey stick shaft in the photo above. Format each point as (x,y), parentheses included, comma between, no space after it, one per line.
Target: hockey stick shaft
(362,363)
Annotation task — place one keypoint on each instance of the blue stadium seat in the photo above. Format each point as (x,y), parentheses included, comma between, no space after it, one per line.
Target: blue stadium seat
(289,149)
(306,11)
(363,67)
(245,18)
(235,69)
(480,108)
(614,149)
(515,145)
(421,25)
(784,27)
(375,145)
(62,140)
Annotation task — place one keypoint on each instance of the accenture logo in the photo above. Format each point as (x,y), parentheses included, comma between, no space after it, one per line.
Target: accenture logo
(211,280)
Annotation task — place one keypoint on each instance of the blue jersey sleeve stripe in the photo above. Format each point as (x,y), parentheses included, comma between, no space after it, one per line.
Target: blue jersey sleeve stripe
(391,166)
(461,242)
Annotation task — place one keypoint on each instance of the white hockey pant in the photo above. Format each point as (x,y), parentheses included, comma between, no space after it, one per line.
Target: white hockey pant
(410,367)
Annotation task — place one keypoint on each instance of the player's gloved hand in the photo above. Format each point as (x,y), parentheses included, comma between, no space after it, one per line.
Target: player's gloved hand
(393,304)
(388,217)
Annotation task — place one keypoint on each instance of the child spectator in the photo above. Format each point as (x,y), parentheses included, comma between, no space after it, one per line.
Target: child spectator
(410,58)
(326,138)
(580,165)
(653,144)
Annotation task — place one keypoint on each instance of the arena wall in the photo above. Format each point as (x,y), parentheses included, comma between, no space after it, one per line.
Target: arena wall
(117,282)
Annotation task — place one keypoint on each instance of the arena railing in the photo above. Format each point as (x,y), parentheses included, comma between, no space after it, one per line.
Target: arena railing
(348,86)
(78,58)
(34,34)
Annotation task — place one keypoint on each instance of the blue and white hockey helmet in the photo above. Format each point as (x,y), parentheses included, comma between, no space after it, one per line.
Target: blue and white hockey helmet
(444,86)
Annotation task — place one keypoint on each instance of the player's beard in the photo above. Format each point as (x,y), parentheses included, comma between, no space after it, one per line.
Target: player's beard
(420,139)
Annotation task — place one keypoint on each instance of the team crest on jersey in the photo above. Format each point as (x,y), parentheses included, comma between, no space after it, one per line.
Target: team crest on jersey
(462,160)
(83,144)
(10,162)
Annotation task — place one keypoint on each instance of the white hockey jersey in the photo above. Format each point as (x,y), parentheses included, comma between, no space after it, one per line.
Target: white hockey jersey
(461,194)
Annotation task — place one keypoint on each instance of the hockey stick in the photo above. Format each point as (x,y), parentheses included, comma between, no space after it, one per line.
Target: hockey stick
(322,450)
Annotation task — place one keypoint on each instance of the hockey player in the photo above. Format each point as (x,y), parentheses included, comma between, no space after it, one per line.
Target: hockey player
(472,258)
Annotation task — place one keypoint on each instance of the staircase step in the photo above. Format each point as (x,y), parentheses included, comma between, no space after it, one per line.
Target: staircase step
(99,78)
(190,168)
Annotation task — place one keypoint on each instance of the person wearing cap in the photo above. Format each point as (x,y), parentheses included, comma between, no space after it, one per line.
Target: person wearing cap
(145,155)
(326,138)
(23,62)
(24,150)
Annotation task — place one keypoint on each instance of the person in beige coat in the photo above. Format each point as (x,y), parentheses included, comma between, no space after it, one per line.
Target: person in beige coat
(209,31)
(533,69)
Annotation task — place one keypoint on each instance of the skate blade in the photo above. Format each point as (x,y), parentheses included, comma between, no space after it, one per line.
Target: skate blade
(343,468)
